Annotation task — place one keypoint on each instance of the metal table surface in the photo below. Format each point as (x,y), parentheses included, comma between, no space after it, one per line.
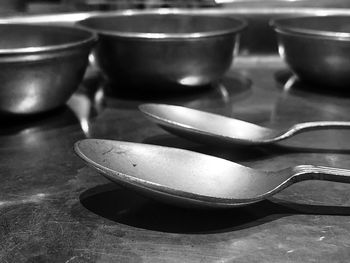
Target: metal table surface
(53,208)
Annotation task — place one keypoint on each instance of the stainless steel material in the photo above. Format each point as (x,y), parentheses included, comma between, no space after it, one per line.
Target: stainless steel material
(74,17)
(164,51)
(257,38)
(286,3)
(137,4)
(142,4)
(214,129)
(192,179)
(12,6)
(316,48)
(41,66)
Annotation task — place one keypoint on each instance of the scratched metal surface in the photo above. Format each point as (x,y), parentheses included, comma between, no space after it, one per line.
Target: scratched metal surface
(55,209)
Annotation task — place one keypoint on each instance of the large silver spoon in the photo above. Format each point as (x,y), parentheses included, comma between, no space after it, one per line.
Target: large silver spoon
(192,179)
(211,128)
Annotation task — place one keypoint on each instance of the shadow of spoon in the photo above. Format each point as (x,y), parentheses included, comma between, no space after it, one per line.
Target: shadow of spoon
(123,206)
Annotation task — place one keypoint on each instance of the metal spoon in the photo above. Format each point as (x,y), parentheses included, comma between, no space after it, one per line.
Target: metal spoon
(211,128)
(192,179)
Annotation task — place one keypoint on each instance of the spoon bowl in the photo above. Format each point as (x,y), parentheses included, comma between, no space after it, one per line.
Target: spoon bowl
(192,179)
(214,129)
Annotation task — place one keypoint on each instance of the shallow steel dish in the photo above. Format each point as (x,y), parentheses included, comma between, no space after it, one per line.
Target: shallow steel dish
(41,66)
(317,48)
(164,51)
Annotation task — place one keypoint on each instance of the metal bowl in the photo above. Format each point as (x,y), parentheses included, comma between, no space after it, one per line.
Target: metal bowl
(316,48)
(41,66)
(164,51)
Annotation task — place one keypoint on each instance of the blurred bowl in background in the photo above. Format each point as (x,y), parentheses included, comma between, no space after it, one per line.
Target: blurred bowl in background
(41,66)
(164,51)
(8,7)
(316,48)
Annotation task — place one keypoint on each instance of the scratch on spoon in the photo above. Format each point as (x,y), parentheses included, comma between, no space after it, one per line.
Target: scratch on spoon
(108,151)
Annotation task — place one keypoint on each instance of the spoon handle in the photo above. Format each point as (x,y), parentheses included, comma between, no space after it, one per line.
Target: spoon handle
(311,172)
(319,125)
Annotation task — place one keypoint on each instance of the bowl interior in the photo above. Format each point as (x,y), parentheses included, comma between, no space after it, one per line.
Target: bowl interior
(163,24)
(319,25)
(17,37)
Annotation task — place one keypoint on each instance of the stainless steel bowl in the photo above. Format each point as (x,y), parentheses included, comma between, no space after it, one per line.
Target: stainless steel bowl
(164,51)
(316,48)
(41,66)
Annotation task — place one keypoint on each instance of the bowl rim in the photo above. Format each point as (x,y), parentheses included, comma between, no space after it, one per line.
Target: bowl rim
(164,36)
(90,39)
(299,31)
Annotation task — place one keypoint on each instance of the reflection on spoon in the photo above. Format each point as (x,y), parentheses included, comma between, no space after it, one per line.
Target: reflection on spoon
(211,128)
(192,179)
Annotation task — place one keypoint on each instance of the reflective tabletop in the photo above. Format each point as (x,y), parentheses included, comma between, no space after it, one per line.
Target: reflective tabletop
(56,209)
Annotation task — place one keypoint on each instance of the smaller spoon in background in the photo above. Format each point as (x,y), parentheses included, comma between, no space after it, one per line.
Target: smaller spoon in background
(209,128)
